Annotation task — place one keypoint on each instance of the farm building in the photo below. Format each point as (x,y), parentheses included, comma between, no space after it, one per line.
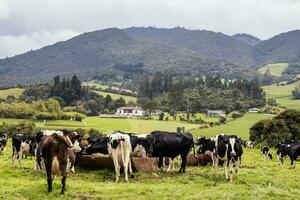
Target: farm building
(130,111)
(215,113)
(253,110)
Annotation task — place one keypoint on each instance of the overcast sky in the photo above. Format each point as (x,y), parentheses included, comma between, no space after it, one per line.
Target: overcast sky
(31,24)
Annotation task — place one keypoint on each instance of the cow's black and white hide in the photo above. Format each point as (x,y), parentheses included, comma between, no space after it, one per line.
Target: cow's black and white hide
(3,142)
(266,152)
(229,149)
(206,146)
(119,149)
(168,144)
(22,144)
(291,150)
(249,145)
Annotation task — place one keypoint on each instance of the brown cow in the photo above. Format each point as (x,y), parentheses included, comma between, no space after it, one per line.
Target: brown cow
(55,152)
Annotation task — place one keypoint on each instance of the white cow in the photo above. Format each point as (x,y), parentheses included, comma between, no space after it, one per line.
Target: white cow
(249,145)
(119,149)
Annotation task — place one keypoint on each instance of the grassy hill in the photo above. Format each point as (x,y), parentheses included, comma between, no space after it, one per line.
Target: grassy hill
(283,95)
(238,127)
(16,92)
(276,69)
(116,96)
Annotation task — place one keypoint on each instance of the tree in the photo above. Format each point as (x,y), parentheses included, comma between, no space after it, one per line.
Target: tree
(296,92)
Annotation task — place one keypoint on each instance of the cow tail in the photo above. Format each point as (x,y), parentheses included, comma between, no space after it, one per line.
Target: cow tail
(193,146)
(122,151)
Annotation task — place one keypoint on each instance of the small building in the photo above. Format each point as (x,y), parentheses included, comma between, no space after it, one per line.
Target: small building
(215,113)
(253,110)
(156,112)
(130,111)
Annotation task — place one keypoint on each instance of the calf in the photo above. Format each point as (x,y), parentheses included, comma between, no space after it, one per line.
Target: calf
(119,149)
(55,153)
(22,145)
(207,146)
(229,149)
(3,142)
(266,152)
(168,144)
(249,145)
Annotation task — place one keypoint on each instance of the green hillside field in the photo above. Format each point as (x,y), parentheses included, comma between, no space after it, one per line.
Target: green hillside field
(276,69)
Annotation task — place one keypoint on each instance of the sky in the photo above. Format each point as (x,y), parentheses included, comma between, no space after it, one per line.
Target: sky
(32,24)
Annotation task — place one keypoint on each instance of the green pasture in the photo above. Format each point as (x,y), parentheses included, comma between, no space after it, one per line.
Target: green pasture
(257,179)
(283,94)
(276,69)
(116,96)
(16,92)
(238,127)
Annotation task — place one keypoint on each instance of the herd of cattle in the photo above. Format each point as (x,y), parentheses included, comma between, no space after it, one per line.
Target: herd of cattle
(56,151)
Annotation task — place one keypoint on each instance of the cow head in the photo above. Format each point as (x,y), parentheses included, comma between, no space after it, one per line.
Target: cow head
(234,148)
(148,143)
(100,146)
(25,146)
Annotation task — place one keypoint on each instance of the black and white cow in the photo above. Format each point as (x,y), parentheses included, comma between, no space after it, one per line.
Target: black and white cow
(249,145)
(22,144)
(119,149)
(3,142)
(291,150)
(266,152)
(168,144)
(230,150)
(207,146)
(96,145)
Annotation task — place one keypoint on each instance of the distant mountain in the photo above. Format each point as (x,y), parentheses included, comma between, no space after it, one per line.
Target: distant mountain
(284,47)
(97,52)
(246,38)
(186,52)
(208,43)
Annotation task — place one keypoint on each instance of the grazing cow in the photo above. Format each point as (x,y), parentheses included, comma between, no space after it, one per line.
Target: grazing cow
(54,150)
(167,144)
(3,142)
(229,149)
(22,145)
(206,146)
(266,152)
(291,150)
(96,145)
(249,145)
(119,149)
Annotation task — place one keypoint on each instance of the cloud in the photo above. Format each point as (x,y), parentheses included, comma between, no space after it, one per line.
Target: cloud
(11,45)
(22,20)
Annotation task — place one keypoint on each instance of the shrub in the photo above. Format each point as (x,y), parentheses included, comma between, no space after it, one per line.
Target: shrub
(296,92)
(161,116)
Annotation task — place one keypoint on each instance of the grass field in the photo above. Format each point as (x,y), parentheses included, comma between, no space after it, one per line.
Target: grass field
(238,127)
(276,69)
(257,179)
(16,92)
(283,95)
(116,96)
(108,125)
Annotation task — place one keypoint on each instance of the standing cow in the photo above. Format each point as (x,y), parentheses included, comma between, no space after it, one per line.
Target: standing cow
(3,142)
(292,150)
(119,149)
(168,144)
(229,149)
(55,153)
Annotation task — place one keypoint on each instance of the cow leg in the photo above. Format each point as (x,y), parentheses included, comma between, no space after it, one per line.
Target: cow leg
(63,171)
(48,164)
(13,157)
(117,167)
(212,158)
(170,164)
(183,163)
(231,171)
(20,158)
(130,168)
(173,165)
(225,168)
(160,161)
(126,169)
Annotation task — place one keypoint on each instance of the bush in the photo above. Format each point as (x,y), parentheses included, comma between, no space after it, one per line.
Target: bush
(161,116)
(25,128)
(286,125)
(222,120)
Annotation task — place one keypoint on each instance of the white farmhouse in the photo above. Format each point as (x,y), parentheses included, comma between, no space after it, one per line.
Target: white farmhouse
(216,113)
(130,111)
(253,110)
